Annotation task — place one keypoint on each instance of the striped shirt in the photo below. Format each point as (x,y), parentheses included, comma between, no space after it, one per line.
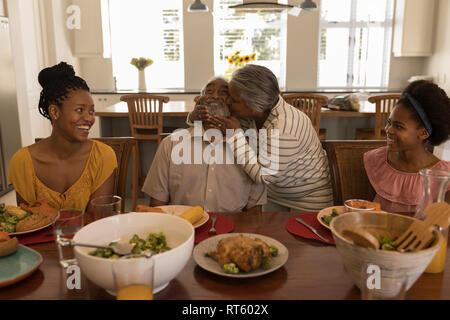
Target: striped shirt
(296,171)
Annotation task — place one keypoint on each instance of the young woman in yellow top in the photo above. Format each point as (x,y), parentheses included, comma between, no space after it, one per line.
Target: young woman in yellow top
(66,169)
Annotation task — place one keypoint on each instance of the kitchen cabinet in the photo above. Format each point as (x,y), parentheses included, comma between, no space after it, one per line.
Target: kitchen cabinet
(92,39)
(414,28)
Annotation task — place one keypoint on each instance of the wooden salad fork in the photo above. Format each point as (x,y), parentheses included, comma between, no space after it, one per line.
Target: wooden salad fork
(418,234)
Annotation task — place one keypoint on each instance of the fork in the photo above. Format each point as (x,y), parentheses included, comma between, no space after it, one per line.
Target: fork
(213,230)
(418,234)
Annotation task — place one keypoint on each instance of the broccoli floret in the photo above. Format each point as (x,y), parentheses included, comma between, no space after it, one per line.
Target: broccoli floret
(266,264)
(273,251)
(230,268)
(135,239)
(12,220)
(386,243)
(334,213)
(327,219)
(8,227)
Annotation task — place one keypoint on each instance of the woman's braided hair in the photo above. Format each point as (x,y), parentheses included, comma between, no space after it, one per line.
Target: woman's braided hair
(57,82)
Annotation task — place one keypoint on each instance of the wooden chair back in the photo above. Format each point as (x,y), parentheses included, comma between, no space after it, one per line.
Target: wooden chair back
(145,112)
(310,104)
(122,146)
(348,176)
(383,107)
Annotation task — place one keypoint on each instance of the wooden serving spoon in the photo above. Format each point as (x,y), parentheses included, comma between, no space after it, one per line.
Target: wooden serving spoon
(418,235)
(361,237)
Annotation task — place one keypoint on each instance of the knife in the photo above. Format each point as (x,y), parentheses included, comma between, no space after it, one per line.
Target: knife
(312,229)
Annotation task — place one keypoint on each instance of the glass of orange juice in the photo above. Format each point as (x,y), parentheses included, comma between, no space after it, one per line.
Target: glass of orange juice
(133,278)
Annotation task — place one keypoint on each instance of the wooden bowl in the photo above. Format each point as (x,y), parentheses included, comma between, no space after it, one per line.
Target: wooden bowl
(392,263)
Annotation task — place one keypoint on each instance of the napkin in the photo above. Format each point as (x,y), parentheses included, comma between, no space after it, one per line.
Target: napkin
(298,229)
(40,236)
(223,225)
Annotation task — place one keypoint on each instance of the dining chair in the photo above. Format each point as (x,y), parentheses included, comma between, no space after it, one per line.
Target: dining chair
(383,107)
(145,114)
(122,147)
(311,105)
(348,176)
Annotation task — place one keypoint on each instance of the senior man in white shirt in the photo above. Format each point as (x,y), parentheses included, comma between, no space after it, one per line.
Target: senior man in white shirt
(195,166)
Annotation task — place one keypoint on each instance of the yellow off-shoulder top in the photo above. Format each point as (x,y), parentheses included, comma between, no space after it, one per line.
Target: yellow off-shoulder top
(101,164)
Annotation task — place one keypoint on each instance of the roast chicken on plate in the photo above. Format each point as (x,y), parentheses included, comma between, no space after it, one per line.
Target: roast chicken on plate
(247,253)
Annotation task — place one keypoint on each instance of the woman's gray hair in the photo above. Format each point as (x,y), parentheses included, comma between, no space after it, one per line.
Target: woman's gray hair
(202,92)
(257,86)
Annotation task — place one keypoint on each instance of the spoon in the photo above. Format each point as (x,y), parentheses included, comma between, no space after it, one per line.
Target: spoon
(361,237)
(119,248)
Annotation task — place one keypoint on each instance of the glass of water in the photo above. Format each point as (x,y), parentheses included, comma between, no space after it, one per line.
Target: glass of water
(106,206)
(67,224)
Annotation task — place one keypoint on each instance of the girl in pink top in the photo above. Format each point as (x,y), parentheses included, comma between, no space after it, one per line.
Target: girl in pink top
(420,119)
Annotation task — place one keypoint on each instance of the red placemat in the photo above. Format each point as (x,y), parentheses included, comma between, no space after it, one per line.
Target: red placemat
(298,229)
(40,236)
(223,225)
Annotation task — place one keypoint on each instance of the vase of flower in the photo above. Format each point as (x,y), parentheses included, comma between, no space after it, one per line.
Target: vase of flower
(142,85)
(141,63)
(236,61)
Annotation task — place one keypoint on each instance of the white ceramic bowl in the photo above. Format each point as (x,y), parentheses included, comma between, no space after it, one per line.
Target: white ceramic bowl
(179,235)
(391,263)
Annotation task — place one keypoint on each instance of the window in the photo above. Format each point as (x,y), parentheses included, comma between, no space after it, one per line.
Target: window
(354,44)
(263,33)
(150,29)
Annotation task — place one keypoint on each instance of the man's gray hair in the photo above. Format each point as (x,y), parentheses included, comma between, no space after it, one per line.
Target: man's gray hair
(257,86)
(202,92)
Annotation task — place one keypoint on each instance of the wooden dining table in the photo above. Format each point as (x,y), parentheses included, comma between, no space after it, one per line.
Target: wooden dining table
(314,270)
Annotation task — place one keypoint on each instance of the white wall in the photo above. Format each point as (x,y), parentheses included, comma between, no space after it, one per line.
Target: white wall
(27,51)
(302,53)
(38,39)
(2,8)
(438,65)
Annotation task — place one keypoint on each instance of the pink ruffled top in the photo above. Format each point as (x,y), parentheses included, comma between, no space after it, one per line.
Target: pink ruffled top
(397,191)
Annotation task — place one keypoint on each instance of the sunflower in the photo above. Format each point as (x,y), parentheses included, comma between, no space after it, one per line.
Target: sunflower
(253,56)
(246,58)
(241,59)
(230,60)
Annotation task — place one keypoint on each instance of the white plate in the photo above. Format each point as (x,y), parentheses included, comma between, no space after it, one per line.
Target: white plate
(179,210)
(211,265)
(327,212)
(29,231)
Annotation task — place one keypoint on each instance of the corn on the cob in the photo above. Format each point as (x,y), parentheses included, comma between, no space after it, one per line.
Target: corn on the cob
(193,214)
(16,212)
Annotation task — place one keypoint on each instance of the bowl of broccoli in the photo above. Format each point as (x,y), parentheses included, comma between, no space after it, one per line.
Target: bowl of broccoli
(169,238)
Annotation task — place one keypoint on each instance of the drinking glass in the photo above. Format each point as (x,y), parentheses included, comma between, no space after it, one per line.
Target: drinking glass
(106,206)
(383,284)
(67,224)
(435,184)
(133,277)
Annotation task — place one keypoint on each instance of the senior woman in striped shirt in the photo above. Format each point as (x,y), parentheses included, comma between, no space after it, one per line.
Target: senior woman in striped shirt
(296,175)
